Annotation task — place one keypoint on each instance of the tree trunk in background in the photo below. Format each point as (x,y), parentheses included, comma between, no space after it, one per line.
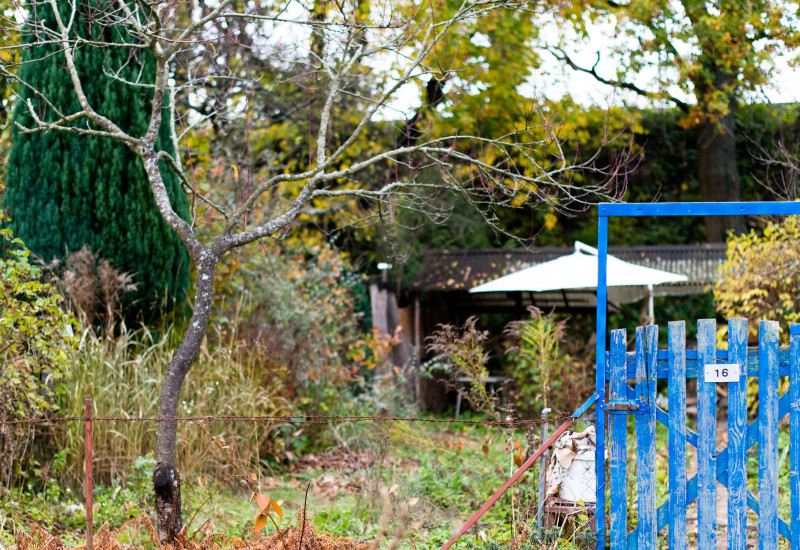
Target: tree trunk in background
(718,174)
(319,14)
(386,317)
(166,477)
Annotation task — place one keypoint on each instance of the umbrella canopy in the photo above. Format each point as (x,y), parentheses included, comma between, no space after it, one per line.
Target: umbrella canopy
(578,270)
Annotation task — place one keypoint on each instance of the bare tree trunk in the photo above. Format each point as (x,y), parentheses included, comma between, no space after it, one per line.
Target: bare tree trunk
(718,173)
(166,478)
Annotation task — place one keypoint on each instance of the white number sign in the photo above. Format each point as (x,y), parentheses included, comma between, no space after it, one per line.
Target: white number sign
(722,373)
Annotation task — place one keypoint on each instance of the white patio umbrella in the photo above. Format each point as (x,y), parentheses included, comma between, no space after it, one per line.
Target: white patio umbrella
(579,270)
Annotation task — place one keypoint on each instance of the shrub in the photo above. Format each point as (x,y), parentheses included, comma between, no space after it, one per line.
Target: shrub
(295,307)
(36,335)
(544,374)
(759,279)
(94,288)
(461,351)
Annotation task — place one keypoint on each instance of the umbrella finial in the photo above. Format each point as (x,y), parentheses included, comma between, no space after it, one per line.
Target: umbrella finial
(582,247)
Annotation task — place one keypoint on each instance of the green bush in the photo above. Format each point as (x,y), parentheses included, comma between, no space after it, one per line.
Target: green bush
(36,336)
(295,307)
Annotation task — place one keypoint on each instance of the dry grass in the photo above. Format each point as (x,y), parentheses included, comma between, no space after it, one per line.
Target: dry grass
(123,376)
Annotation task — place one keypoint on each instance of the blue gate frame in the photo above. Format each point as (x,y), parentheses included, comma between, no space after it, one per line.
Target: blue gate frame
(605,211)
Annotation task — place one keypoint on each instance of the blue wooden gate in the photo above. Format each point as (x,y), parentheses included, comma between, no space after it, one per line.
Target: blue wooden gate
(727,467)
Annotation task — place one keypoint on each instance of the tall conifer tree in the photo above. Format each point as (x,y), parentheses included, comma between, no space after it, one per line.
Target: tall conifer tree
(66,191)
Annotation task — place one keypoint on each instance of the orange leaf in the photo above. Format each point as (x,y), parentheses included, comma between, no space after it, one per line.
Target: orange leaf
(263,502)
(450,445)
(276,508)
(260,521)
(253,476)
(460,447)
(485,449)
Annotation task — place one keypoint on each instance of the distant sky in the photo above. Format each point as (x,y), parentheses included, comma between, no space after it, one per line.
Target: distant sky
(554,80)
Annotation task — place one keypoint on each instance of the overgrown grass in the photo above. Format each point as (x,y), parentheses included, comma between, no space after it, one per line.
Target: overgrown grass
(122,375)
(435,476)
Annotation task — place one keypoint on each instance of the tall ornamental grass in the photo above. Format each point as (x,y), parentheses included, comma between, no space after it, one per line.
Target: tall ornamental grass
(123,375)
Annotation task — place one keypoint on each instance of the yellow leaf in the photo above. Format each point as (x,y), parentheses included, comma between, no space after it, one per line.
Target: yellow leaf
(276,508)
(413,501)
(260,521)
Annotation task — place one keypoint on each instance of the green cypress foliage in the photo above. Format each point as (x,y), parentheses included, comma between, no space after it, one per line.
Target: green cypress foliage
(66,190)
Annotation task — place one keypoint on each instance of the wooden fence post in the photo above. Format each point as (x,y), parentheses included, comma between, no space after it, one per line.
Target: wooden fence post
(89,503)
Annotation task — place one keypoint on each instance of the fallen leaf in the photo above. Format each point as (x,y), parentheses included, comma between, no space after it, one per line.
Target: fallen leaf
(413,501)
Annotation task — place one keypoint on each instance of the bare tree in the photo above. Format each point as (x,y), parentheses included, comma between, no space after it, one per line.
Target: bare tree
(777,154)
(208,58)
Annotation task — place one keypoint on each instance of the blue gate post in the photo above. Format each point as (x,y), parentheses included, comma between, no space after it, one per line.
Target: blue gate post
(600,383)
(794,430)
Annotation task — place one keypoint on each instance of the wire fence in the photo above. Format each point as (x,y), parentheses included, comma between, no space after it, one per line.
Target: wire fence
(286,419)
(291,419)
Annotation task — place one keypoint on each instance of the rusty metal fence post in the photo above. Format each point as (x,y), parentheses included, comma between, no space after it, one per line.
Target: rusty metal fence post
(88,467)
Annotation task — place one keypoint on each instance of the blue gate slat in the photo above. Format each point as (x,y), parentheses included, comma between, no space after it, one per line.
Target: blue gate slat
(618,466)
(663,417)
(707,447)
(794,446)
(677,435)
(646,528)
(691,493)
(783,527)
(737,439)
(722,462)
(722,357)
(768,435)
